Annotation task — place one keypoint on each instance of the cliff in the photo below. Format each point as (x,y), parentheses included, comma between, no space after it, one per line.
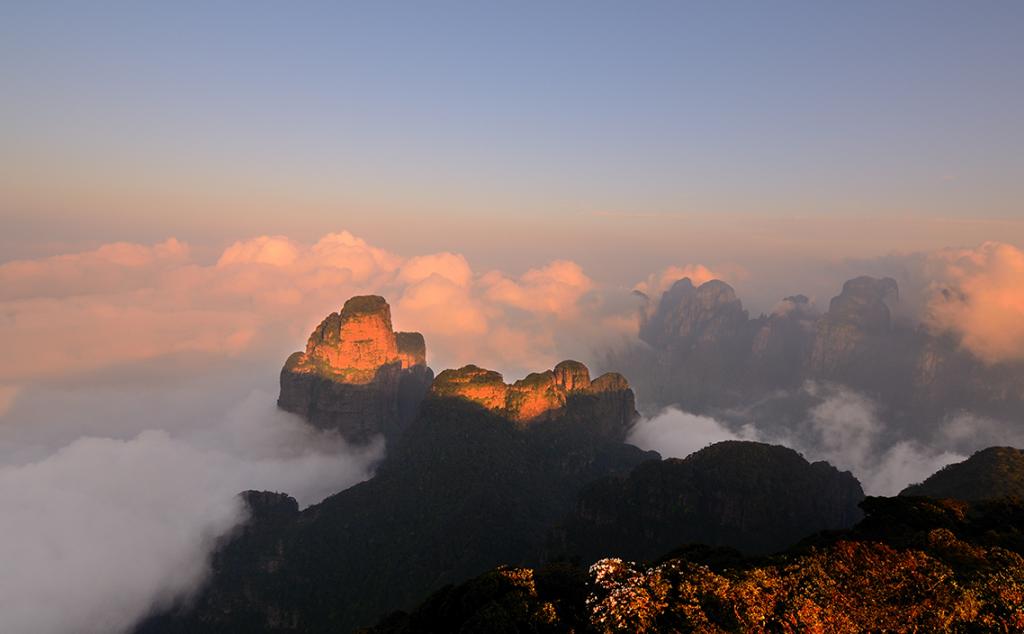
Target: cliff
(545,396)
(688,315)
(856,318)
(357,375)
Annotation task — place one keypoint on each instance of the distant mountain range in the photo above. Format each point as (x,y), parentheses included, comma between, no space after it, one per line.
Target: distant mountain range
(535,475)
(699,350)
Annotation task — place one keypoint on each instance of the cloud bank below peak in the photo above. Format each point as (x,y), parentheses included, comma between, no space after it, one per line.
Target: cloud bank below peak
(117,526)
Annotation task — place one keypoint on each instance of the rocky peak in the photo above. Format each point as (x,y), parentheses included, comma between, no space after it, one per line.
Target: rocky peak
(473,383)
(863,303)
(572,375)
(357,374)
(609,382)
(538,396)
(857,322)
(412,349)
(716,293)
(687,313)
(534,396)
(266,505)
(353,344)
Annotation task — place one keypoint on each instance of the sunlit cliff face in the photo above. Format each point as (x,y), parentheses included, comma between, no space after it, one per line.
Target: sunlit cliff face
(538,396)
(352,346)
(358,377)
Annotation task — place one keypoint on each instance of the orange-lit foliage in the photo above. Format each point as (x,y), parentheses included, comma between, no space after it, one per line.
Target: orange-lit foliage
(851,586)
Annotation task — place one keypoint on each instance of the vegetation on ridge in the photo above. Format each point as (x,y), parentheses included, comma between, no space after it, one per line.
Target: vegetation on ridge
(911,565)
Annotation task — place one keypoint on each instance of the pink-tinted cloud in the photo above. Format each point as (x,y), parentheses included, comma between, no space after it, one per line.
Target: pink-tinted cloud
(555,288)
(47,337)
(495,319)
(126,303)
(450,266)
(979,295)
(117,266)
(7,395)
(273,250)
(345,251)
(442,307)
(658,283)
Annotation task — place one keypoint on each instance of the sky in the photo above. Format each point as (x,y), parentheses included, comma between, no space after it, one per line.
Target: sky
(188,188)
(735,132)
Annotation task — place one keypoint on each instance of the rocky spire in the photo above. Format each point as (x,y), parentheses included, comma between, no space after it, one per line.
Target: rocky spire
(537,397)
(357,374)
(687,314)
(353,345)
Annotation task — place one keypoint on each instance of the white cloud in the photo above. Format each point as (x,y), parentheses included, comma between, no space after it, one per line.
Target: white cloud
(103,529)
(843,430)
(676,434)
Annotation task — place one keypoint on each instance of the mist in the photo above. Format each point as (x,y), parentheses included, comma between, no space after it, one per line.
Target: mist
(843,429)
(109,527)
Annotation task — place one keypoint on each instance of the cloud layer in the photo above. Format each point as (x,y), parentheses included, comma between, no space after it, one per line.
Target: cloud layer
(842,428)
(979,295)
(104,529)
(125,303)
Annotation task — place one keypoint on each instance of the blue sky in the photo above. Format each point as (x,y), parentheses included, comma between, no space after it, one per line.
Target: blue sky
(209,120)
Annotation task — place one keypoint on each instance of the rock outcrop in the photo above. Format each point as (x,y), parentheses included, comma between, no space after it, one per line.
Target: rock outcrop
(688,315)
(544,396)
(357,375)
(857,318)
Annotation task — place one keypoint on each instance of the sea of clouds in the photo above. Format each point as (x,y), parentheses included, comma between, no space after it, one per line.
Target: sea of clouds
(138,386)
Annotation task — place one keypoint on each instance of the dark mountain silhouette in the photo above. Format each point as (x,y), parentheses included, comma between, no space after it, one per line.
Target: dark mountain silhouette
(912,564)
(990,473)
(749,496)
(478,479)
